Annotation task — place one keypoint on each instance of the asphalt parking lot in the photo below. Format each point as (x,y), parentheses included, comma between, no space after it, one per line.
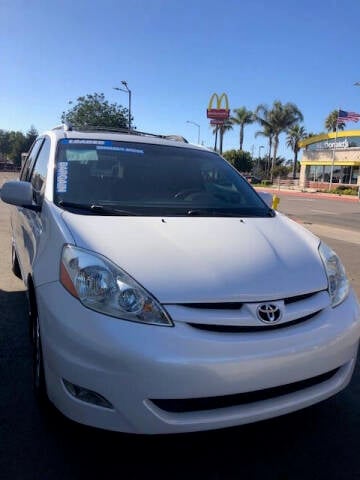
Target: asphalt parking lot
(321,442)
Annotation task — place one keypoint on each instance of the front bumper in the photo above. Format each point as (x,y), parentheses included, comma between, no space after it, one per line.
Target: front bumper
(129,364)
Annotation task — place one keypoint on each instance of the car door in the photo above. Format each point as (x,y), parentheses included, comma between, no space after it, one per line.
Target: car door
(28,224)
(17,213)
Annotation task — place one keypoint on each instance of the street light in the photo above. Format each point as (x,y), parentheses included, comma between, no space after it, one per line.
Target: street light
(260,147)
(128,91)
(194,123)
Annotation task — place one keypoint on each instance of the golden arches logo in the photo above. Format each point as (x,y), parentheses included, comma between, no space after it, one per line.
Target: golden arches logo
(217,111)
(219,100)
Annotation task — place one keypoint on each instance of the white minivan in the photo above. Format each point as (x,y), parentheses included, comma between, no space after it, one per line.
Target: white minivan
(165,294)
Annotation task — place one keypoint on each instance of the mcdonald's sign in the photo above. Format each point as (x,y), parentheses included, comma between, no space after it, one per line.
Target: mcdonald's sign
(218,113)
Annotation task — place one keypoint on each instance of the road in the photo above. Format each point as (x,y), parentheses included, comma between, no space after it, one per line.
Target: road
(320,442)
(316,210)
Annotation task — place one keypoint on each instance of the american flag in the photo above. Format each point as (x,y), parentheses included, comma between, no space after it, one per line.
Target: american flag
(347,116)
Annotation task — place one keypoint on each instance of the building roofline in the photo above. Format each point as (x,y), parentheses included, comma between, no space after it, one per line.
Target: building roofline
(327,136)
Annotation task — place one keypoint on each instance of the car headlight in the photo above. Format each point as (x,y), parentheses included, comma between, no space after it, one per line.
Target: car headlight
(104,287)
(338,284)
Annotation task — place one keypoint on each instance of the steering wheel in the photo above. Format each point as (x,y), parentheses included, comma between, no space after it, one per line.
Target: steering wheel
(182,194)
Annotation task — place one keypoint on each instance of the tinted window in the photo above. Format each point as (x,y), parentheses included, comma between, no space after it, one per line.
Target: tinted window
(38,174)
(152,179)
(25,173)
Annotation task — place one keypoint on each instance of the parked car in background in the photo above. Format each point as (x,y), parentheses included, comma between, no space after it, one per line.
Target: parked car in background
(165,294)
(253,179)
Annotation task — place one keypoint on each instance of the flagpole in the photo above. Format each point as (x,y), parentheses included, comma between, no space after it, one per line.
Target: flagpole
(333,155)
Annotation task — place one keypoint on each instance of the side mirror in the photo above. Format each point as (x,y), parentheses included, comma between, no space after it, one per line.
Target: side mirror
(267,197)
(20,194)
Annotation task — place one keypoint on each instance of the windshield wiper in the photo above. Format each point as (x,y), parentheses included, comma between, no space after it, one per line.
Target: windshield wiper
(221,213)
(97,209)
(211,213)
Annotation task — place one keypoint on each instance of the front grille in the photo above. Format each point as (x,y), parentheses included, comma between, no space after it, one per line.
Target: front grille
(214,306)
(250,328)
(211,403)
(238,305)
(298,298)
(238,317)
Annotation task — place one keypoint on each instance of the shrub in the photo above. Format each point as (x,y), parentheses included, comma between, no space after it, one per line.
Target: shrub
(345,190)
(241,160)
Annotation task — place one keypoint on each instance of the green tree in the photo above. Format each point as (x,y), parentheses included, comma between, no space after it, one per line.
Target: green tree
(242,117)
(294,135)
(5,144)
(30,138)
(281,171)
(279,119)
(14,143)
(331,121)
(239,159)
(281,167)
(94,110)
(17,146)
(260,167)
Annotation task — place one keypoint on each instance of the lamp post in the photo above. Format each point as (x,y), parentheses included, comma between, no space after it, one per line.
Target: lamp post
(128,91)
(198,126)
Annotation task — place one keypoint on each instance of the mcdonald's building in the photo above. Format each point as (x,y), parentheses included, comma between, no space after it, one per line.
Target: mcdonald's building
(339,153)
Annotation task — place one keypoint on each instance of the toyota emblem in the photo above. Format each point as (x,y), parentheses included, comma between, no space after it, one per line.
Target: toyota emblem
(268,313)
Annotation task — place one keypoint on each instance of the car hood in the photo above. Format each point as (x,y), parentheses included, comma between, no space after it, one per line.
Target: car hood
(182,259)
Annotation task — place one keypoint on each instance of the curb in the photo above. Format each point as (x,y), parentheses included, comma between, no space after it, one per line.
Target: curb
(328,196)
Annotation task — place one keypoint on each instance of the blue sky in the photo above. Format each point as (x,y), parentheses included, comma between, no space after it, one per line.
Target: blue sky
(174,55)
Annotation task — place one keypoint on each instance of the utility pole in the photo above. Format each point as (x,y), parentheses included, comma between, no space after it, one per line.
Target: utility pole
(128,91)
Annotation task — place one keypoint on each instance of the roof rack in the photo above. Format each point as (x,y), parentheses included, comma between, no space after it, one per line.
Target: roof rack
(177,138)
(67,126)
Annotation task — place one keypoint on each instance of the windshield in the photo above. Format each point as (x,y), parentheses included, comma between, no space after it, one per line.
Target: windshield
(108,177)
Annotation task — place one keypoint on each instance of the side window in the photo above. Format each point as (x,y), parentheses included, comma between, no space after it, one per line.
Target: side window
(25,172)
(38,174)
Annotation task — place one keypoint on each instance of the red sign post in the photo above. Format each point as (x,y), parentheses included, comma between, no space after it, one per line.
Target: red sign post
(218,115)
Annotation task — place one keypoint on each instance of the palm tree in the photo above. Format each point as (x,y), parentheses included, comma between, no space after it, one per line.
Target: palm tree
(221,129)
(294,135)
(269,134)
(261,116)
(215,132)
(280,118)
(331,122)
(242,117)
